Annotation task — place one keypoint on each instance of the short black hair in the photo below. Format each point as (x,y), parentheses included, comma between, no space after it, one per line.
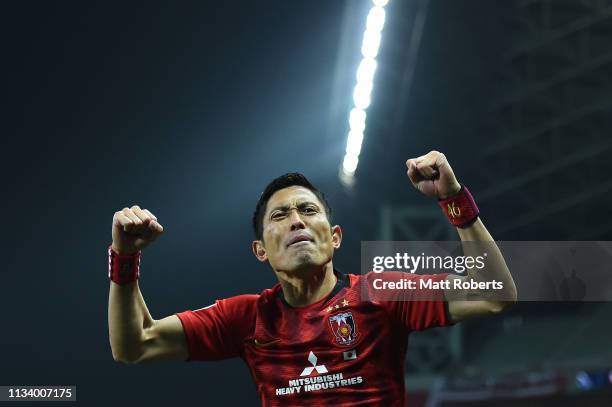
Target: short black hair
(284,181)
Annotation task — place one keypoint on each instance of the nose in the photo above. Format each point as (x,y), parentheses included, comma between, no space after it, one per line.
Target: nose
(296,221)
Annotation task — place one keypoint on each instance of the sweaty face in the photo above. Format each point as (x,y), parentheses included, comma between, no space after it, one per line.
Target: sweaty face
(296,232)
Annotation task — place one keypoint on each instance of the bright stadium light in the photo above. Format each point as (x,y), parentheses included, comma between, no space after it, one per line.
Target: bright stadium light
(361,95)
(370,44)
(376,19)
(349,165)
(353,144)
(366,70)
(357,119)
(363,89)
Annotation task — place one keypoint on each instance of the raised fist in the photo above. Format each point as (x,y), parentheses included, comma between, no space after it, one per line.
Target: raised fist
(432,175)
(134,229)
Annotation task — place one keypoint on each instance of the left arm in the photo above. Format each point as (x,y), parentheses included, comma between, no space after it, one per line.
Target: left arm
(433,176)
(496,269)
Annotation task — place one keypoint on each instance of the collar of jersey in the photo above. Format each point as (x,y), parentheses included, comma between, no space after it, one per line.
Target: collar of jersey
(342,280)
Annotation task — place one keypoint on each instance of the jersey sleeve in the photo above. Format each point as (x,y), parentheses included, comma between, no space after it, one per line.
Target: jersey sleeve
(218,331)
(420,308)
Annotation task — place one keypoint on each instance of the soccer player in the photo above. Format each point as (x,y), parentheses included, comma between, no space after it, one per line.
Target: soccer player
(313,339)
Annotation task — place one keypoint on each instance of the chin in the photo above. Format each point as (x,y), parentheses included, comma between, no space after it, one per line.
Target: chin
(308,261)
(298,264)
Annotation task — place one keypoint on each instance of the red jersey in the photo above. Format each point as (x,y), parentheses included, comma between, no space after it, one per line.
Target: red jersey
(341,350)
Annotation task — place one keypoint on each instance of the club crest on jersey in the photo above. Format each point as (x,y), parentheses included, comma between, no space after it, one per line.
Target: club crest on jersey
(343,327)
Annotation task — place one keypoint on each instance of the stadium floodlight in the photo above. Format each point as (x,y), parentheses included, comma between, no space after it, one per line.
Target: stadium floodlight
(376,19)
(349,165)
(380,3)
(366,70)
(353,143)
(363,89)
(370,44)
(357,119)
(361,95)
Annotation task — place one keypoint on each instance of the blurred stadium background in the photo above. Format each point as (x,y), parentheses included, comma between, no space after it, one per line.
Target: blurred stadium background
(536,121)
(190,108)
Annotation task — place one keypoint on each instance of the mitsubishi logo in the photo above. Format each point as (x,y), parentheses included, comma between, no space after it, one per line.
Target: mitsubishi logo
(313,360)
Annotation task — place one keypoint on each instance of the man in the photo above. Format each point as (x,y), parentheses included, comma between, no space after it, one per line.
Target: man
(312,339)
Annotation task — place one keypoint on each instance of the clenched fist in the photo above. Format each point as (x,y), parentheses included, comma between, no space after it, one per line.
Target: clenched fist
(432,175)
(134,229)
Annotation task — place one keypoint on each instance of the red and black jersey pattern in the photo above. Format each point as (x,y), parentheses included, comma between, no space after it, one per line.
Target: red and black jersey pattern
(341,350)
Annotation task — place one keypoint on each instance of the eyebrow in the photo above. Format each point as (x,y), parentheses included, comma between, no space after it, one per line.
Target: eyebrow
(301,205)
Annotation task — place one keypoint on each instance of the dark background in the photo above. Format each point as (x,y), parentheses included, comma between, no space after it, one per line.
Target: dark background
(190,108)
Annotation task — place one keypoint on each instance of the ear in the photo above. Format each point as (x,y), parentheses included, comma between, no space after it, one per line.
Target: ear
(336,232)
(259,251)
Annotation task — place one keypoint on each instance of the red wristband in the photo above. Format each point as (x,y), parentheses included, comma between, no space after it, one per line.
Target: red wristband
(460,209)
(123,269)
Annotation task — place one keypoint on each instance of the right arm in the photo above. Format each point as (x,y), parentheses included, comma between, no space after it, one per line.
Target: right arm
(135,336)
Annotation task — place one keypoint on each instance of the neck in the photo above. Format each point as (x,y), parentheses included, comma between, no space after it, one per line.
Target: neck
(305,288)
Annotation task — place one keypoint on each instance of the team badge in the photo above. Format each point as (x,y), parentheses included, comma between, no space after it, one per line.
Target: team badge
(343,327)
